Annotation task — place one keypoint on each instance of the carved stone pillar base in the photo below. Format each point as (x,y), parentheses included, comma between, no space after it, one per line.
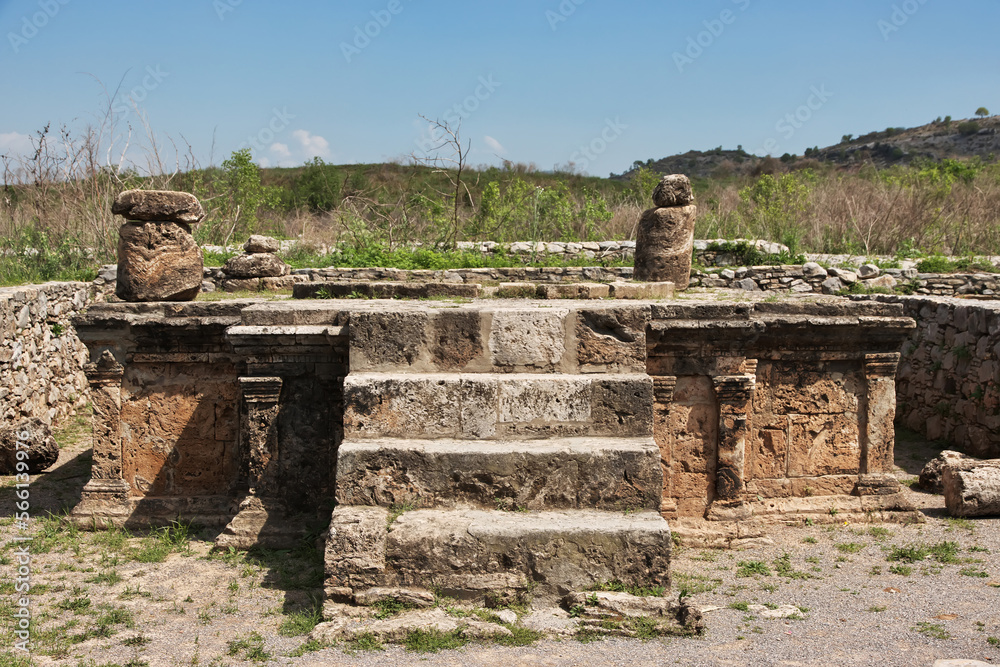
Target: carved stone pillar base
(103,503)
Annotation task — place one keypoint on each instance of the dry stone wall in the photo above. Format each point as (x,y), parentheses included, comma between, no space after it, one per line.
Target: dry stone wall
(948,385)
(41,358)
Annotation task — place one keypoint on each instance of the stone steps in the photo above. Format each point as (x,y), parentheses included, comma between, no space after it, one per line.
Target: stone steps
(475,554)
(558,473)
(486,406)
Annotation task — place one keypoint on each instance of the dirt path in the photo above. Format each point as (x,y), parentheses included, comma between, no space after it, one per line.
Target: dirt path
(859,595)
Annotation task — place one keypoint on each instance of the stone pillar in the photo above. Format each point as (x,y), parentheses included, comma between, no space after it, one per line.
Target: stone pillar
(259,433)
(663,396)
(104,499)
(735,396)
(878,432)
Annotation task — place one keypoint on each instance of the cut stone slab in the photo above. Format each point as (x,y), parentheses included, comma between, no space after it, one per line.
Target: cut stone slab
(651,290)
(158,261)
(972,489)
(603,473)
(260,525)
(158,206)
(663,246)
(503,406)
(34,437)
(385,290)
(573,291)
(396,629)
(671,617)
(469,553)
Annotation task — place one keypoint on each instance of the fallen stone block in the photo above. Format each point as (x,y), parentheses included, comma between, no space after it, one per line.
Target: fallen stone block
(972,490)
(158,206)
(931,475)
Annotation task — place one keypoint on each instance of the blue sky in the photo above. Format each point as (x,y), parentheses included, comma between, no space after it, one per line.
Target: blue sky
(596,83)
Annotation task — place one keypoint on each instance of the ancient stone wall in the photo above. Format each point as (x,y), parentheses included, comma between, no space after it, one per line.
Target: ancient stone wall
(41,358)
(948,385)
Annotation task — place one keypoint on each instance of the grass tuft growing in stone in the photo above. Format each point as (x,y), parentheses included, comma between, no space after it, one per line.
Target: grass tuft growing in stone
(250,648)
(751,568)
(432,641)
(300,623)
(638,591)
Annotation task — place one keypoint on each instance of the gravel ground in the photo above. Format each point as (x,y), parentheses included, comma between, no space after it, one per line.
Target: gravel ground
(106,598)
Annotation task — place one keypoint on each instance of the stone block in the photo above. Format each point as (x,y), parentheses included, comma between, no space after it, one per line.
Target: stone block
(566,473)
(158,206)
(972,489)
(387,339)
(528,338)
(644,291)
(673,190)
(356,548)
(469,553)
(517,290)
(456,339)
(823,444)
(612,339)
(157,261)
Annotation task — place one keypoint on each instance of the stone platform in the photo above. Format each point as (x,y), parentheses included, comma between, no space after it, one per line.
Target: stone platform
(497,447)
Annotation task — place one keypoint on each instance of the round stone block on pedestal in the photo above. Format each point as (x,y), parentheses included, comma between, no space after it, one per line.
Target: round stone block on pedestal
(158,261)
(663,245)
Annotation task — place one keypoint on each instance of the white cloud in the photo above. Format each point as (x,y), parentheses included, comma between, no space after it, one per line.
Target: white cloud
(14,144)
(312,145)
(494,144)
(263,162)
(281,150)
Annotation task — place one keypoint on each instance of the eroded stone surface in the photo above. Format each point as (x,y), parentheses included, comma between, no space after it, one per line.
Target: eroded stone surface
(158,261)
(521,338)
(257,265)
(32,436)
(673,190)
(972,489)
(158,206)
(663,245)
(932,473)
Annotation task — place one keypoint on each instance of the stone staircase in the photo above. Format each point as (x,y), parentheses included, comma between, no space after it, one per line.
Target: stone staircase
(497,451)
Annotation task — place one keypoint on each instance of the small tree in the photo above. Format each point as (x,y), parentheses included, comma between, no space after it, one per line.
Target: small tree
(448,138)
(244,195)
(982,112)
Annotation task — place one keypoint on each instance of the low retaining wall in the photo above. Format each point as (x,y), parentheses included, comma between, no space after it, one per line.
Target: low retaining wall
(948,384)
(41,358)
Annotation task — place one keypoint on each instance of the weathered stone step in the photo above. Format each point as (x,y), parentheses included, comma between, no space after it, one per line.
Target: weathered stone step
(591,473)
(478,553)
(497,406)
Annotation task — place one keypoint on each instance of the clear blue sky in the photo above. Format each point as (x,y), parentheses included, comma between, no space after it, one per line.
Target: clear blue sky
(619,79)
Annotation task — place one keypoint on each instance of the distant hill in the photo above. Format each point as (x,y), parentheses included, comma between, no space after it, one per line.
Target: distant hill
(961,139)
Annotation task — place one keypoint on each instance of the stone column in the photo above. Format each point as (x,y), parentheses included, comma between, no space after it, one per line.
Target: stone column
(878,432)
(105,379)
(259,433)
(104,499)
(663,396)
(735,396)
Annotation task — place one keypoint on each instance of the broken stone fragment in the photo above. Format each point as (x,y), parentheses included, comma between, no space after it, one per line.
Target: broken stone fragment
(37,437)
(664,242)
(158,261)
(258,244)
(260,265)
(930,476)
(673,190)
(158,206)
(669,616)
